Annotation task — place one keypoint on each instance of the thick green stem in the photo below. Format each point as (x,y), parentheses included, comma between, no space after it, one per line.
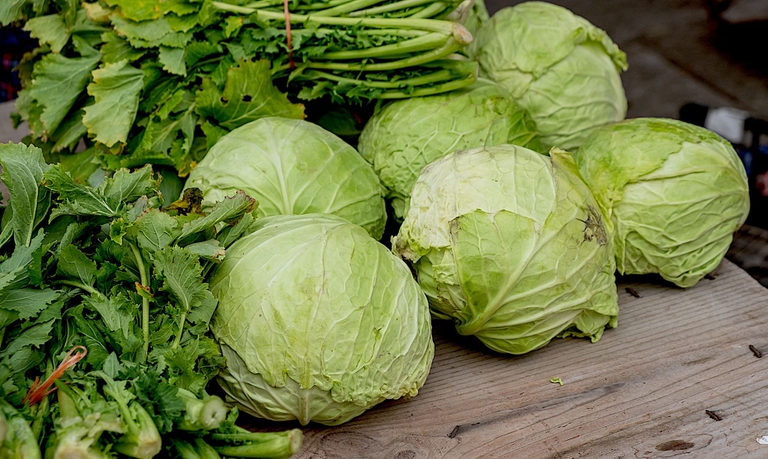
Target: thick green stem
(430,11)
(389,7)
(347,7)
(430,90)
(144,300)
(432,25)
(450,47)
(413,45)
(177,339)
(427,79)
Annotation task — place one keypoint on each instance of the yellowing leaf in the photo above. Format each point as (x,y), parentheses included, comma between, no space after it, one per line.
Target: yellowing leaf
(49,29)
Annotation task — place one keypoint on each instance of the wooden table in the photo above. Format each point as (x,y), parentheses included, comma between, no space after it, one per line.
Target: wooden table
(676,378)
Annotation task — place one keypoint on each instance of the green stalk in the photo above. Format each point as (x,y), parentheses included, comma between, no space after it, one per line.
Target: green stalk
(430,11)
(432,25)
(422,80)
(404,33)
(389,7)
(347,7)
(144,300)
(81,286)
(450,47)
(413,45)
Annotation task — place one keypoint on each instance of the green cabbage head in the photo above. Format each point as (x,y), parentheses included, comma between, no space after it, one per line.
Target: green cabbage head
(406,135)
(318,321)
(561,68)
(293,167)
(675,194)
(510,245)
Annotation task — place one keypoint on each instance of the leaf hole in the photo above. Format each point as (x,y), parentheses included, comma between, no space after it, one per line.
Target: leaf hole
(247,98)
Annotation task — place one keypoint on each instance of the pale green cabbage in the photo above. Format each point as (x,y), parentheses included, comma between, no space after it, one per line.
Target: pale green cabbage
(675,194)
(561,68)
(406,135)
(318,321)
(511,246)
(293,167)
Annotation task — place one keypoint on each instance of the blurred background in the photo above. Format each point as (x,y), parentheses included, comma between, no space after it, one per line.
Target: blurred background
(703,61)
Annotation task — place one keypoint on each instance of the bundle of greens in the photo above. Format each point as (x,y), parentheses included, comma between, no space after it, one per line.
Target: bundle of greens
(160,81)
(104,300)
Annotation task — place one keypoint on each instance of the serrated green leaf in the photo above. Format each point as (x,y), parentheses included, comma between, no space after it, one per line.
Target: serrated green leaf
(232,233)
(156,230)
(74,264)
(112,366)
(198,50)
(144,10)
(116,49)
(209,250)
(23,170)
(76,199)
(90,337)
(49,29)
(34,336)
(11,11)
(230,209)
(69,133)
(151,31)
(116,88)
(172,60)
(125,186)
(57,83)
(248,95)
(14,270)
(181,273)
(114,311)
(27,302)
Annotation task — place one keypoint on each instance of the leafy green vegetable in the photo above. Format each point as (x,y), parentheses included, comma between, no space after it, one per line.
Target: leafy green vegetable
(295,290)
(558,66)
(675,194)
(159,82)
(120,282)
(406,135)
(293,167)
(510,245)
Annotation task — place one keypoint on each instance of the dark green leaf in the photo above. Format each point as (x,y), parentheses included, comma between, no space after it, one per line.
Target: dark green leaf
(248,95)
(27,302)
(76,265)
(229,210)
(23,170)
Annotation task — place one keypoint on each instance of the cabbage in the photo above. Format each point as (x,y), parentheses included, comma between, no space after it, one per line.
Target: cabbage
(675,194)
(561,68)
(318,321)
(407,135)
(293,167)
(511,246)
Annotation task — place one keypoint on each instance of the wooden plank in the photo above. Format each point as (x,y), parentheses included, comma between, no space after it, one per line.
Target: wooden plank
(643,391)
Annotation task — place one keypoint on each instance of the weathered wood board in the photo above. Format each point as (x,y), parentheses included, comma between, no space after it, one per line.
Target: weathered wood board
(653,387)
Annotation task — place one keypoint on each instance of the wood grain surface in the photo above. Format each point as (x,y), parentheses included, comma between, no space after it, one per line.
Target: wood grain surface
(676,378)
